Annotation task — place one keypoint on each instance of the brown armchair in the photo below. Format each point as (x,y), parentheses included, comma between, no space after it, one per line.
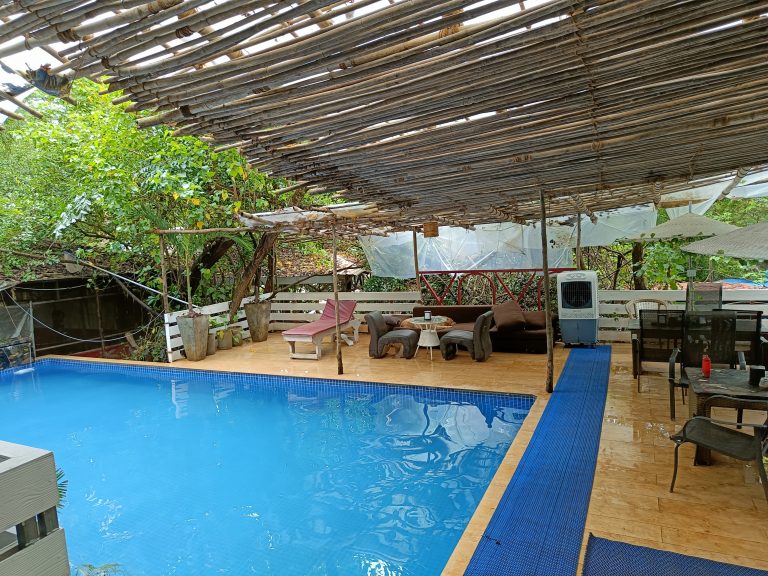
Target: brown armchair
(477,342)
(382,336)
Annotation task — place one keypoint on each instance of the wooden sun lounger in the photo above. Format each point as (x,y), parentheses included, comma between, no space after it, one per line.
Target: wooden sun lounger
(315,332)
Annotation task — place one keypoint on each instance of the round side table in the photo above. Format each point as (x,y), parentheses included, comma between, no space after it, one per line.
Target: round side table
(428,337)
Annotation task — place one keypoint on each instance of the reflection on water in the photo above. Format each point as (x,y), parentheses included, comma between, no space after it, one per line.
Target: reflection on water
(235,475)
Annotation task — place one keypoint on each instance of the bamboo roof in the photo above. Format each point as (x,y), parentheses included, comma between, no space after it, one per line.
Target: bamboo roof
(455,111)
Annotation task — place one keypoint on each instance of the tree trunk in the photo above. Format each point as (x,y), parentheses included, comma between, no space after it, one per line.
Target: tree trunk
(637,261)
(243,285)
(619,265)
(269,284)
(211,254)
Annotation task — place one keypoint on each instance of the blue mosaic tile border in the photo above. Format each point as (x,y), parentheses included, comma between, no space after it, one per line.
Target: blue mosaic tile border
(300,383)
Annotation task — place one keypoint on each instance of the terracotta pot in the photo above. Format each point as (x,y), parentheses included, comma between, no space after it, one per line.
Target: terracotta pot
(194,335)
(257,314)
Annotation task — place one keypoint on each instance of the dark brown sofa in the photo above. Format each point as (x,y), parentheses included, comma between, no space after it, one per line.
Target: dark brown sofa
(527,333)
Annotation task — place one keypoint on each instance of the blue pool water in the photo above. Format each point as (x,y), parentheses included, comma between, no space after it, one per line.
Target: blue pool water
(200,473)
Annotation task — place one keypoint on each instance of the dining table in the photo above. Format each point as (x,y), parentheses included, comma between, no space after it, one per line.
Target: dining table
(729,384)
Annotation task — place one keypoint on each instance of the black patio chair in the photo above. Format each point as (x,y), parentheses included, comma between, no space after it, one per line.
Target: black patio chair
(719,436)
(712,333)
(477,342)
(749,340)
(383,335)
(660,333)
(703,296)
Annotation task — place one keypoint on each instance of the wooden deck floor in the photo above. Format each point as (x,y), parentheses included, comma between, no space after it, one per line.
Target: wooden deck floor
(716,512)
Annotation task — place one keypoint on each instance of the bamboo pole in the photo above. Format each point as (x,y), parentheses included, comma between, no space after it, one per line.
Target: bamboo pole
(164,275)
(193,231)
(416,261)
(547,305)
(578,240)
(339,359)
(21,104)
(100,325)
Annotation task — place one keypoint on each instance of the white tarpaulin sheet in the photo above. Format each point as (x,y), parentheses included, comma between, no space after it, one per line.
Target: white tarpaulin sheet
(503,246)
(701,198)
(753,185)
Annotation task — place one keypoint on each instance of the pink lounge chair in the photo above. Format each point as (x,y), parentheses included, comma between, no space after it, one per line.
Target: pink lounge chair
(314,332)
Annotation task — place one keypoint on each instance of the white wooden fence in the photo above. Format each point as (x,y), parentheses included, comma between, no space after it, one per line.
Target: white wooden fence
(289,309)
(614,316)
(218,312)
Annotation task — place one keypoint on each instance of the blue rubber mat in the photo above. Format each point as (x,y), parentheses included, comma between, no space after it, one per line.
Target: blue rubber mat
(538,527)
(608,557)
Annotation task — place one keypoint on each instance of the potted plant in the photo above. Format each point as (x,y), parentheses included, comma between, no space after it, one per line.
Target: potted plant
(212,344)
(193,326)
(257,315)
(224,338)
(237,335)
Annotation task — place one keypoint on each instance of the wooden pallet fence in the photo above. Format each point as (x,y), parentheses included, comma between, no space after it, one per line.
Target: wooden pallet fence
(220,312)
(614,317)
(291,309)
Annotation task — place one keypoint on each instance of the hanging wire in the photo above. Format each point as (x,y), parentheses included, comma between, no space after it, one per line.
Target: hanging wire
(93,340)
(50,289)
(10,316)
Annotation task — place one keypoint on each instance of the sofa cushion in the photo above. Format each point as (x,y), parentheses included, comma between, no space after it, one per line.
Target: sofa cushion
(509,316)
(459,313)
(457,326)
(395,319)
(535,319)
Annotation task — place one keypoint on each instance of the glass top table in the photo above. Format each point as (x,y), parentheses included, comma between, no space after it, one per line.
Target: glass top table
(721,382)
(422,323)
(428,337)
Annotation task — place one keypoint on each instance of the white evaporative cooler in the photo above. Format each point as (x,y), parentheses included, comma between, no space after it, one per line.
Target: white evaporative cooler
(577,306)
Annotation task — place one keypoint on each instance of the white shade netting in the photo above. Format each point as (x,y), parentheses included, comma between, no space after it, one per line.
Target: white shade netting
(501,246)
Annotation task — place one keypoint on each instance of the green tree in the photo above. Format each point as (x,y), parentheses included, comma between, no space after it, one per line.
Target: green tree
(85,178)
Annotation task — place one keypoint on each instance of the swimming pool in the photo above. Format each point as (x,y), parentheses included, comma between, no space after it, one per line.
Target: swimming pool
(193,472)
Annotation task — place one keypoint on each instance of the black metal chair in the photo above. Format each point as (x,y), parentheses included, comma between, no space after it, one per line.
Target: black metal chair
(703,296)
(661,331)
(477,342)
(719,436)
(383,336)
(749,340)
(712,333)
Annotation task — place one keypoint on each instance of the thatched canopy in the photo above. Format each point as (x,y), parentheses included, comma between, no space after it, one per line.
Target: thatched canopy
(448,111)
(685,226)
(750,242)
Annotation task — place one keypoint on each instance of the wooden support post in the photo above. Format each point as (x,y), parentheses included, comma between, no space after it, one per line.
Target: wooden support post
(416,261)
(339,360)
(547,306)
(101,327)
(164,275)
(578,240)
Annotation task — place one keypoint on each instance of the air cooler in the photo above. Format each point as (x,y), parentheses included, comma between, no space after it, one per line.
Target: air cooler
(577,306)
